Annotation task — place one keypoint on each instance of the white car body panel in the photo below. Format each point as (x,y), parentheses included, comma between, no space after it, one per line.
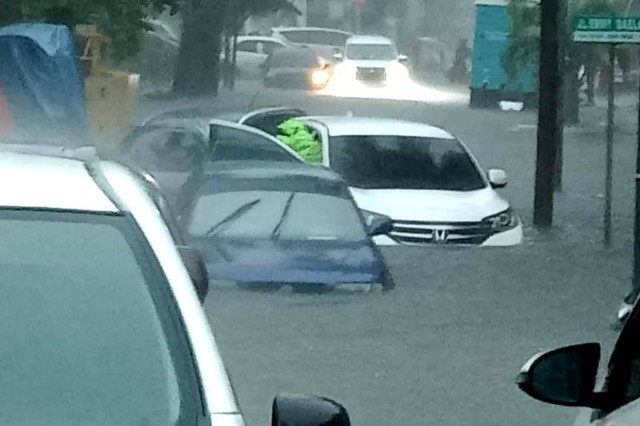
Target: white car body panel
(429,205)
(441,208)
(44,182)
(214,379)
(27,183)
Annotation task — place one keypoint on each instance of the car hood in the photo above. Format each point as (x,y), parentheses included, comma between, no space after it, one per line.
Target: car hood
(320,262)
(431,205)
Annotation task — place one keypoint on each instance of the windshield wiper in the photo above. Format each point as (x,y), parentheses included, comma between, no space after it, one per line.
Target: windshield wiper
(240,211)
(276,231)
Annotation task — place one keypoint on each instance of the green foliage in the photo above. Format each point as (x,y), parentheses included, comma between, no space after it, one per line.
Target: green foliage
(524,37)
(524,34)
(122,21)
(301,139)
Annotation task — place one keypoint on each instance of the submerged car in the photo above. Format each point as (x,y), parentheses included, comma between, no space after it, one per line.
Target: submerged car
(252,51)
(268,224)
(327,41)
(300,68)
(421,177)
(176,147)
(371,60)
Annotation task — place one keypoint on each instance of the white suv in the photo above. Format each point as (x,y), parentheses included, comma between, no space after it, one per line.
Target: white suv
(371,60)
(99,319)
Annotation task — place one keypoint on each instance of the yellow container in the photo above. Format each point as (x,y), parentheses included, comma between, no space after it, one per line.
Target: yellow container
(111,101)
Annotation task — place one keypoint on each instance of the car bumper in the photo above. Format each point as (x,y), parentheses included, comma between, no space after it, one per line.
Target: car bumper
(511,237)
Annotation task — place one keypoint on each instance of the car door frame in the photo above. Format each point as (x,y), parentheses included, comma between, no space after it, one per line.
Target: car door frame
(262,113)
(618,375)
(323,131)
(253,131)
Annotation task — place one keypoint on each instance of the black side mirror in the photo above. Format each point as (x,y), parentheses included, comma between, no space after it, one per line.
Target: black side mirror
(379,225)
(197,270)
(306,410)
(565,376)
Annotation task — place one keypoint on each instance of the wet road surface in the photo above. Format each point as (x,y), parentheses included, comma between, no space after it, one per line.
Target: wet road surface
(445,346)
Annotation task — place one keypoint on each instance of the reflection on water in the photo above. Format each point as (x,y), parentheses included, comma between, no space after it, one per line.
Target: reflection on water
(408,91)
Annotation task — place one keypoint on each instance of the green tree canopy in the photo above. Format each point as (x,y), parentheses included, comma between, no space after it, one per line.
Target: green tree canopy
(524,35)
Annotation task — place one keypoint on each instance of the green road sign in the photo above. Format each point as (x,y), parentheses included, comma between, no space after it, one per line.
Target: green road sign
(606,29)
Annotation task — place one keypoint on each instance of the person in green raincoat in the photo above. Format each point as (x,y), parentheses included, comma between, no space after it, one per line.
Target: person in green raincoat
(302,139)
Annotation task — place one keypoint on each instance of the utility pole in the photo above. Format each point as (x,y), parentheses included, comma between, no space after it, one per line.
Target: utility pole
(608,181)
(567,84)
(636,233)
(548,113)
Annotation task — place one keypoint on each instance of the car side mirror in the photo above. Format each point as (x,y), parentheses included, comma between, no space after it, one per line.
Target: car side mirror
(338,56)
(379,225)
(497,178)
(403,58)
(306,410)
(565,376)
(197,269)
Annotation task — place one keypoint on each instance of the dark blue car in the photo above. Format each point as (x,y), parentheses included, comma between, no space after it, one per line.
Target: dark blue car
(265,225)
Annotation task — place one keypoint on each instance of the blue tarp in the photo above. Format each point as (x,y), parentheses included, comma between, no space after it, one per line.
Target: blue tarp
(41,85)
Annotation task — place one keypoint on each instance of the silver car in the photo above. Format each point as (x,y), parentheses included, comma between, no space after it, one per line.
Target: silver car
(99,318)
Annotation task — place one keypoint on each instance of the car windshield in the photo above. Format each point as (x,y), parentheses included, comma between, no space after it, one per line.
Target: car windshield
(381,162)
(380,52)
(321,37)
(87,329)
(293,216)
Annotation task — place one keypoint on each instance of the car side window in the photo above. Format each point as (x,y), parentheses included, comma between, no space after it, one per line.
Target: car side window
(247,46)
(231,143)
(166,150)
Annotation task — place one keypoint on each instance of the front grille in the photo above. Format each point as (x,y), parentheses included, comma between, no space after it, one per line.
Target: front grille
(411,232)
(372,75)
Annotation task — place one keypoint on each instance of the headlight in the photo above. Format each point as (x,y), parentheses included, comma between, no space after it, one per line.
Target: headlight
(319,78)
(370,217)
(502,221)
(345,71)
(397,73)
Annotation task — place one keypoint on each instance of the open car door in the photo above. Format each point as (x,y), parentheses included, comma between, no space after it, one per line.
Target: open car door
(268,119)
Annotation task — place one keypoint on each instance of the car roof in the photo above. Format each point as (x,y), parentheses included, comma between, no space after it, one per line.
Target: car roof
(355,126)
(369,39)
(48,182)
(260,38)
(275,176)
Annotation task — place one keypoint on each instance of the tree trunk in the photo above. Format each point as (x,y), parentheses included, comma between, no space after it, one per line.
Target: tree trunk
(226,65)
(197,70)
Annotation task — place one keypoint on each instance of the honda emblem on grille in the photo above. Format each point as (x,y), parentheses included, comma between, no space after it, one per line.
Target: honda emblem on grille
(440,236)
